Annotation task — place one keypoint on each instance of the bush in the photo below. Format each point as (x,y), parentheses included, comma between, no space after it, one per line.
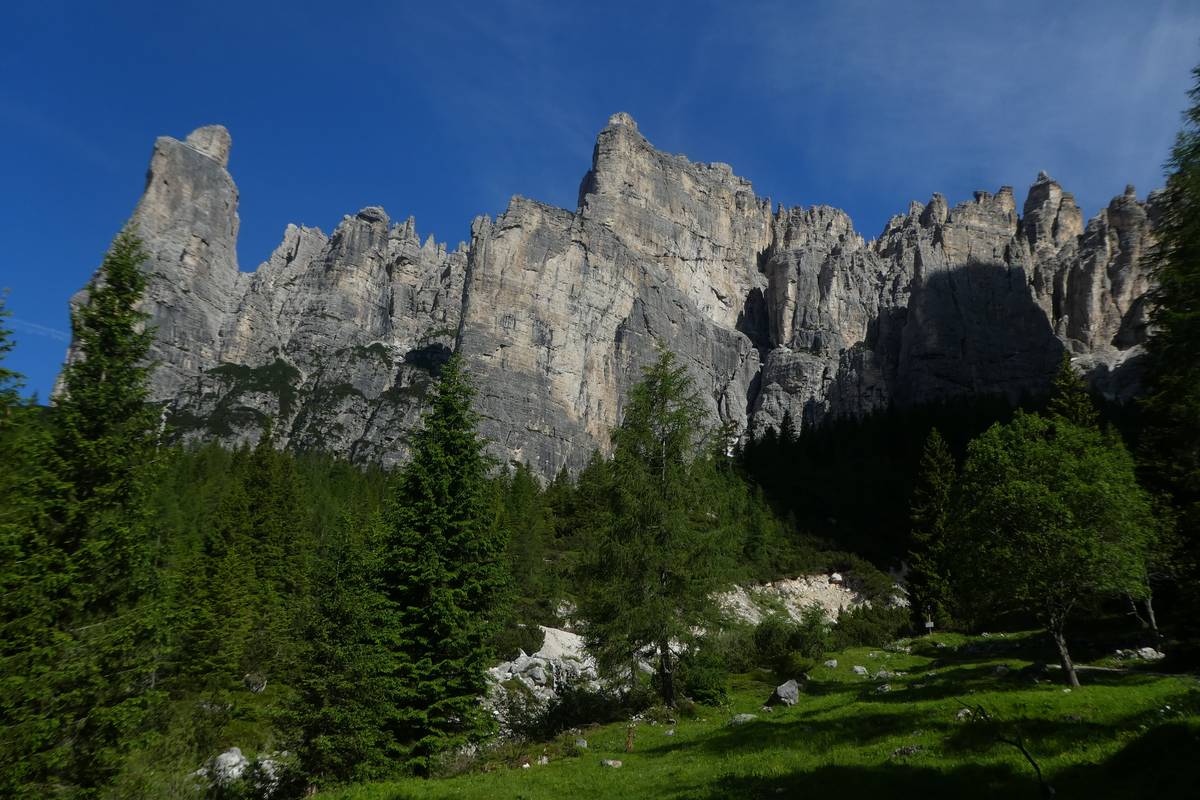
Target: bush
(811,637)
(704,677)
(526,638)
(793,665)
(772,637)
(780,642)
(734,646)
(870,626)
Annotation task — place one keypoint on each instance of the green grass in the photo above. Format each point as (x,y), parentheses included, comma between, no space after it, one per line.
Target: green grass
(1120,735)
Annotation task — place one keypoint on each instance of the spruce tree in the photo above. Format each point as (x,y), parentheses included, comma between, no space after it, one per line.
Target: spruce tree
(10,381)
(31,643)
(1069,397)
(1170,446)
(277,547)
(103,592)
(928,587)
(444,573)
(337,718)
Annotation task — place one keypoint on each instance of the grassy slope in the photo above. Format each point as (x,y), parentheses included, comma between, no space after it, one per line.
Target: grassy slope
(1121,735)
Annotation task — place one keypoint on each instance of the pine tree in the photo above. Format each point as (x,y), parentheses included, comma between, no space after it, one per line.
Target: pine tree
(788,434)
(1170,446)
(444,573)
(31,645)
(1069,398)
(650,565)
(103,592)
(276,548)
(10,381)
(928,587)
(338,716)
(528,528)
(218,603)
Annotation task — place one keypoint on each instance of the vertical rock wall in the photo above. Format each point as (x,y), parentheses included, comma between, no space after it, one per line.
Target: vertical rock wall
(334,340)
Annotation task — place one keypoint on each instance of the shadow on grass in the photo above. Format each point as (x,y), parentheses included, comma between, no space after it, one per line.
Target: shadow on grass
(886,780)
(1161,763)
(810,731)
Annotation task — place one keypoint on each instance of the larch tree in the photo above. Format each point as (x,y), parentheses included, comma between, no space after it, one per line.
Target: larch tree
(649,567)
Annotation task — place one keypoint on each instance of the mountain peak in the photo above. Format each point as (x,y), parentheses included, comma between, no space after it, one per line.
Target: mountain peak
(213,141)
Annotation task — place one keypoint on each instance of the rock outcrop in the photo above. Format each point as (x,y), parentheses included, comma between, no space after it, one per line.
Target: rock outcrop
(335,339)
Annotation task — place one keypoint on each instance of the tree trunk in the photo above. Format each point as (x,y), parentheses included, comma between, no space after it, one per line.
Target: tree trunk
(665,673)
(1149,603)
(1064,657)
(1133,609)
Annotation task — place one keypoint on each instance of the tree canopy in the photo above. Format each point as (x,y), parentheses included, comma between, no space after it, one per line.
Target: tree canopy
(1048,516)
(444,575)
(650,564)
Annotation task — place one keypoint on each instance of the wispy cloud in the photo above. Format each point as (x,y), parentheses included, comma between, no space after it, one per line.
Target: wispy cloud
(921,93)
(39,330)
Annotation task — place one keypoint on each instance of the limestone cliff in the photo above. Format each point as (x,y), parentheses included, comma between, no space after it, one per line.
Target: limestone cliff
(334,339)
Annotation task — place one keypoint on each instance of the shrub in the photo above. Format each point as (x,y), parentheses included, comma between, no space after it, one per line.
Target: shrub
(525,638)
(811,637)
(779,641)
(793,665)
(772,637)
(735,647)
(704,676)
(870,626)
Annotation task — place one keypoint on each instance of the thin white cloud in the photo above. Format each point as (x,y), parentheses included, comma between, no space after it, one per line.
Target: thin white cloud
(916,93)
(39,330)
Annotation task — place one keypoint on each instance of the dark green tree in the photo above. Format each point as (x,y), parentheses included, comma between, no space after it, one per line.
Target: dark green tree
(10,381)
(278,547)
(528,525)
(31,644)
(88,550)
(1048,516)
(338,716)
(1170,445)
(445,573)
(105,441)
(1069,397)
(788,433)
(928,586)
(650,565)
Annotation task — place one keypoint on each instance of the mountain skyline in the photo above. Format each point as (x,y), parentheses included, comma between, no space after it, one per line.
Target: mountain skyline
(443,114)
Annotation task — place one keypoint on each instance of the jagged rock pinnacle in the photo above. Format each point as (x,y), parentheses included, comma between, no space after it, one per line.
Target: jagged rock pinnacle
(622,119)
(213,141)
(337,339)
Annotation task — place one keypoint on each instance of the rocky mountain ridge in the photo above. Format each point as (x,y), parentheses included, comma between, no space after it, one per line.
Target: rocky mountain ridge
(335,338)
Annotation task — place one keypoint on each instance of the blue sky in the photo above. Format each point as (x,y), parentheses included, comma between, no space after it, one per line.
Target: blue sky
(444,110)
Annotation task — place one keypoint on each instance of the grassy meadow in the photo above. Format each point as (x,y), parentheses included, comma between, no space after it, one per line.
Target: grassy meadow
(1123,734)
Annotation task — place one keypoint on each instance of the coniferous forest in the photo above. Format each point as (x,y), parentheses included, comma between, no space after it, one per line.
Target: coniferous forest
(161,603)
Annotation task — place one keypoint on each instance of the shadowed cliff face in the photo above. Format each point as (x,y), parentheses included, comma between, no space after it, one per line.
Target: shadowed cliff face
(337,338)
(974,330)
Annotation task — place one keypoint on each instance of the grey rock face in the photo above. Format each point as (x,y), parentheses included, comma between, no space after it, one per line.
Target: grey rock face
(335,339)
(787,693)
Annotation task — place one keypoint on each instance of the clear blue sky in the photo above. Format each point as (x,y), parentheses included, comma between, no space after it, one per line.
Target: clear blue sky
(444,110)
